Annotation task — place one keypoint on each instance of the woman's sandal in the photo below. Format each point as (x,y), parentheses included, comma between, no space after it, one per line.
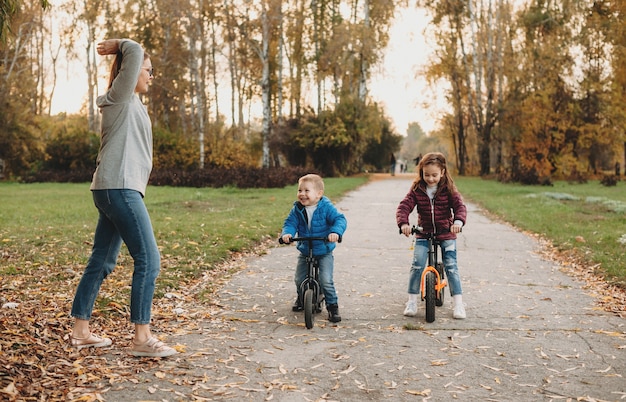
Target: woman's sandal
(152,348)
(92,341)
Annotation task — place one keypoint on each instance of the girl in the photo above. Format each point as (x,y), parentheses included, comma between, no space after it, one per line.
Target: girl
(440,209)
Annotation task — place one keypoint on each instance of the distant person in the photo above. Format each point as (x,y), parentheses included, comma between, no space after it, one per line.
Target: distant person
(392,162)
(119,183)
(617,169)
(314,215)
(417,160)
(440,210)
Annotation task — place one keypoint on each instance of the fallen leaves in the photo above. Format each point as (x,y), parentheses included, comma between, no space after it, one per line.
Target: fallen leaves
(611,298)
(36,360)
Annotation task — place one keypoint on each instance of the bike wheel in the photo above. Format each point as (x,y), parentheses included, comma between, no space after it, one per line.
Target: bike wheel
(430,296)
(442,291)
(308,308)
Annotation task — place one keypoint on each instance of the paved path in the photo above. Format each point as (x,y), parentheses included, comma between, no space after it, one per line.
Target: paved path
(531,334)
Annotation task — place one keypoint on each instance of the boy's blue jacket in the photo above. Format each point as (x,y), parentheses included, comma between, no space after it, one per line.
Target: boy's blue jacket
(326,220)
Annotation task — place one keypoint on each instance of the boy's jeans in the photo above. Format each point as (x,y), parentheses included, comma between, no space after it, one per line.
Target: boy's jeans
(420,259)
(123,217)
(327,262)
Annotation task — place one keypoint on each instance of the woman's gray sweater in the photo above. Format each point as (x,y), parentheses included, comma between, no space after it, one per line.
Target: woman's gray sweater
(125,156)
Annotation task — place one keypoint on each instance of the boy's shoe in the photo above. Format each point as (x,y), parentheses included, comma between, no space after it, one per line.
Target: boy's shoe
(411,309)
(459,311)
(297,306)
(333,313)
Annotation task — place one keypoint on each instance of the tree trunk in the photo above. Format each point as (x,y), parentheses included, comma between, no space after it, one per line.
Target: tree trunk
(266,89)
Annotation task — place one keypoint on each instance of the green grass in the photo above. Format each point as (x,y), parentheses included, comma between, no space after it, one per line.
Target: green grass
(46,229)
(589,219)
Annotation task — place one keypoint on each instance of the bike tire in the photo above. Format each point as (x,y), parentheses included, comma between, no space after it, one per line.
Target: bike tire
(442,292)
(308,308)
(430,296)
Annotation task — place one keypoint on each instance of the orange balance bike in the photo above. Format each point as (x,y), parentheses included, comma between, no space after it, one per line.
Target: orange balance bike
(433,279)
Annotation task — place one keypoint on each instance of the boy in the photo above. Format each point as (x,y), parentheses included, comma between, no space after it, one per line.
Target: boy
(314,215)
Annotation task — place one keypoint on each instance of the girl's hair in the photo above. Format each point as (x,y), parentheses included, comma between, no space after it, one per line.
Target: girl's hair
(435,158)
(117,65)
(316,180)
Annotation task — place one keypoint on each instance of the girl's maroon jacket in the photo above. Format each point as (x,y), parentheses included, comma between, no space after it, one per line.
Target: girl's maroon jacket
(434,216)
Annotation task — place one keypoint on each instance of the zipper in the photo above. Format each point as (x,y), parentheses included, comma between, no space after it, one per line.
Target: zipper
(432,213)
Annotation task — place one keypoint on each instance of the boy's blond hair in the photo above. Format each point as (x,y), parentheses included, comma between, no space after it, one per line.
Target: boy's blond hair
(316,180)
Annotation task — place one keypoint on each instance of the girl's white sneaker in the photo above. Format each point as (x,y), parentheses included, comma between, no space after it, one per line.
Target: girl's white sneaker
(411,309)
(459,311)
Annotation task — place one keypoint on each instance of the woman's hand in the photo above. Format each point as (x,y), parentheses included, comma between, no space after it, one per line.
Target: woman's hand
(109,46)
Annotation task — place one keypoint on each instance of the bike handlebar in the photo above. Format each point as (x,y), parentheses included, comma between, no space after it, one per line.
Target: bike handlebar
(308,238)
(419,229)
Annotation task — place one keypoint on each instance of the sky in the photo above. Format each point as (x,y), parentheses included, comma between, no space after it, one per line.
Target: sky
(394,84)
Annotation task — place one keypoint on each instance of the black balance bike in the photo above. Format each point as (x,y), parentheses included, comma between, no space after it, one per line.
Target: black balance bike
(310,295)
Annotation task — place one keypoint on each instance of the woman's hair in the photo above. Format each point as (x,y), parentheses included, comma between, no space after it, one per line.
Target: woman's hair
(117,65)
(435,158)
(314,179)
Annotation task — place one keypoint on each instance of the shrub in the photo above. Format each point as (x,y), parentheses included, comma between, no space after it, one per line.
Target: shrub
(173,151)
(609,180)
(76,150)
(243,177)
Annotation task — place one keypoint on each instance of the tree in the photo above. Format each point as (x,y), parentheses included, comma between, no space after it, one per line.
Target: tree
(8,10)
(20,138)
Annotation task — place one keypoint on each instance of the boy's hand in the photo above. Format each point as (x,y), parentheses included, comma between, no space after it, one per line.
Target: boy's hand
(455,228)
(333,237)
(406,230)
(286,238)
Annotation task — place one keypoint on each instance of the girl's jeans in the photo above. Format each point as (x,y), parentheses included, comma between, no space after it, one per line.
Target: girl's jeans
(123,217)
(420,259)
(327,262)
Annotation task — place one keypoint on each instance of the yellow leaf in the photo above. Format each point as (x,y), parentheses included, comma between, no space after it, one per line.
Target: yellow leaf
(610,333)
(425,392)
(159,374)
(348,370)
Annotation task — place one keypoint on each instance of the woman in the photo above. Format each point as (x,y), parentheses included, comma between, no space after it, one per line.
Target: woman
(119,183)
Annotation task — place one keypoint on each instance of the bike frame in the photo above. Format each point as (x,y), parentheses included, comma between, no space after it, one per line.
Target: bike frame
(433,254)
(312,279)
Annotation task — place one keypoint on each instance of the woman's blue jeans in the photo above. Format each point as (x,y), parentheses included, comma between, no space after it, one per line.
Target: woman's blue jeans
(123,217)
(327,262)
(420,259)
